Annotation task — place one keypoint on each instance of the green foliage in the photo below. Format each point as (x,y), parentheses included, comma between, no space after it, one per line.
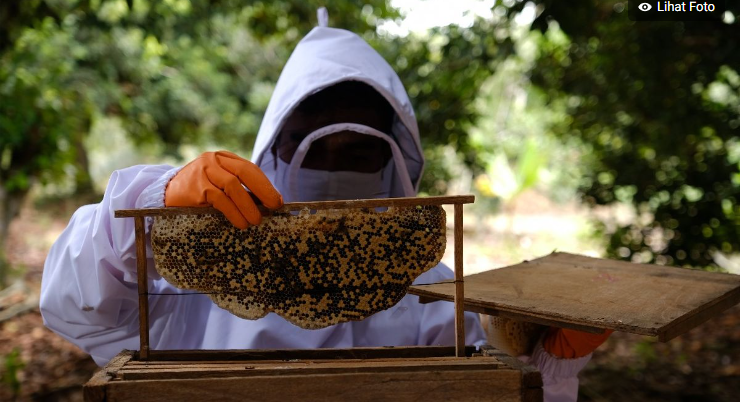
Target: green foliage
(647,113)
(645,351)
(40,112)
(443,73)
(176,71)
(512,136)
(657,104)
(444,70)
(291,20)
(506,182)
(12,364)
(201,72)
(172,72)
(437,172)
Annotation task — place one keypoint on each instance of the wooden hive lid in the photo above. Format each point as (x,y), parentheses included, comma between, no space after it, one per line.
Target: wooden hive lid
(594,294)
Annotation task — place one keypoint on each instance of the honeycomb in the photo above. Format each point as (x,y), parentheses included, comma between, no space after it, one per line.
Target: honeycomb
(313,269)
(512,337)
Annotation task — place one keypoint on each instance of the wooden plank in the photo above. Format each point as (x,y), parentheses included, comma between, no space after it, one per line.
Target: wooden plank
(94,390)
(317,363)
(317,205)
(541,321)
(306,354)
(459,284)
(259,364)
(486,376)
(698,316)
(143,287)
(431,296)
(427,299)
(310,367)
(531,378)
(530,374)
(474,385)
(325,362)
(252,369)
(565,289)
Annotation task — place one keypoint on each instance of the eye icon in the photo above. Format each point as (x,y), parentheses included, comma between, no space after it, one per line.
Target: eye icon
(645,7)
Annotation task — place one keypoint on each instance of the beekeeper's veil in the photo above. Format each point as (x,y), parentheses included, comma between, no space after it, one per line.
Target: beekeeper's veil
(326,57)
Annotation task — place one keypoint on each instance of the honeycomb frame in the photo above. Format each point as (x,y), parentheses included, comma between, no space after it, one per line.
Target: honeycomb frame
(313,268)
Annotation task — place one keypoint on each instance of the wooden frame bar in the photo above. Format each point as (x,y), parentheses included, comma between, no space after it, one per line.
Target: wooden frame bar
(383,352)
(139,216)
(425,297)
(459,284)
(316,205)
(141,273)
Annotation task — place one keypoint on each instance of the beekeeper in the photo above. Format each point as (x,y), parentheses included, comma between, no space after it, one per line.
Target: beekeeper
(339,126)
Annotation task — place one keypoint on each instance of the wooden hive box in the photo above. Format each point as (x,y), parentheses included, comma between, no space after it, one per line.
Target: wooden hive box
(359,374)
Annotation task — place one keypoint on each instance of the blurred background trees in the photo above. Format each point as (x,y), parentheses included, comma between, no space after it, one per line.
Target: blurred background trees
(571,97)
(161,73)
(658,106)
(544,109)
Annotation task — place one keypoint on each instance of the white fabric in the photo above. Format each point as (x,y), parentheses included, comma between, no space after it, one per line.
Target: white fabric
(322,15)
(89,294)
(322,185)
(327,56)
(300,184)
(559,376)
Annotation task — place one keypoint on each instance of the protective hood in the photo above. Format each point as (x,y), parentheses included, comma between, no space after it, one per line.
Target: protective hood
(325,57)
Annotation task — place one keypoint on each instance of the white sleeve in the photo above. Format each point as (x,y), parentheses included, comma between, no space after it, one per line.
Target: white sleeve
(437,324)
(88,290)
(559,376)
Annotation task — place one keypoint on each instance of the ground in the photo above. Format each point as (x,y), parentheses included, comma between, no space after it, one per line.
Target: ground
(702,365)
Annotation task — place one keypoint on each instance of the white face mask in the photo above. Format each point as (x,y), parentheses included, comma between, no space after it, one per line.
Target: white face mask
(323,185)
(301,184)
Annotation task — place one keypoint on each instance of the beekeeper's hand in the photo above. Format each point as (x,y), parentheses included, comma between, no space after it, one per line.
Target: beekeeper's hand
(570,344)
(216,179)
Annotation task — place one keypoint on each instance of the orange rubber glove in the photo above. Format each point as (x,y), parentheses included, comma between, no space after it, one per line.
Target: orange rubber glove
(215,179)
(570,344)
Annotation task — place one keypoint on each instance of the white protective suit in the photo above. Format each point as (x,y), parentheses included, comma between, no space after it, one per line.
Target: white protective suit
(89,293)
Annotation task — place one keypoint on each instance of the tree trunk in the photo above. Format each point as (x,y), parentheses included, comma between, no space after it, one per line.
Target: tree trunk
(10,208)
(83,180)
